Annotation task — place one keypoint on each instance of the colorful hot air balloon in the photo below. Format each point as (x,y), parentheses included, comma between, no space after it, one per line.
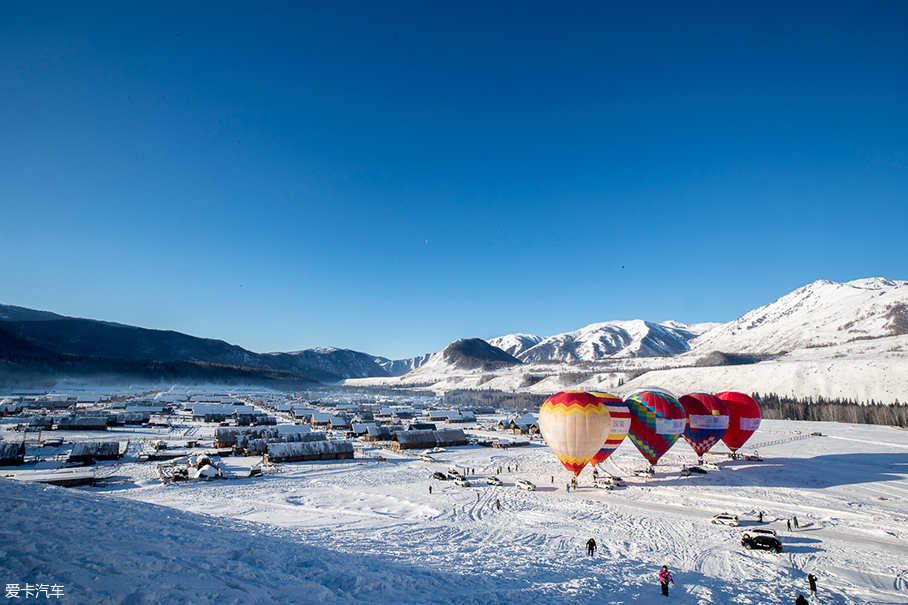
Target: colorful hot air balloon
(707,421)
(657,420)
(620,425)
(574,424)
(744,418)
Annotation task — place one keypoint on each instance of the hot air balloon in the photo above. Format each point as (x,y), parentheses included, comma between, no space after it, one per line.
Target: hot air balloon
(707,421)
(657,420)
(620,425)
(743,418)
(574,424)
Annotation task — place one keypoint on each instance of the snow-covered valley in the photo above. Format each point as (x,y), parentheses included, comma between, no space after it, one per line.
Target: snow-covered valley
(366,531)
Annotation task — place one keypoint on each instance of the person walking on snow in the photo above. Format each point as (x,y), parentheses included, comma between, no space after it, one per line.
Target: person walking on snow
(760,517)
(812,580)
(788,523)
(664,578)
(801,600)
(590,547)
(430,490)
(498,503)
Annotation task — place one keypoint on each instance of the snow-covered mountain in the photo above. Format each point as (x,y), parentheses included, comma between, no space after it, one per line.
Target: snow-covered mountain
(399,367)
(465,354)
(820,314)
(620,339)
(515,344)
(329,363)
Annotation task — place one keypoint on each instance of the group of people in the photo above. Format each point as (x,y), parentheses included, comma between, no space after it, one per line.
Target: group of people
(665,576)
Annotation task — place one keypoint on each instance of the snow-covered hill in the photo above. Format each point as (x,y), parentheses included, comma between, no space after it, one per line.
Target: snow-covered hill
(636,338)
(515,344)
(820,314)
(399,367)
(468,354)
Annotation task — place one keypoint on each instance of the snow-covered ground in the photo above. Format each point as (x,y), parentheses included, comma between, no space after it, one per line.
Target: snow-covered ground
(370,532)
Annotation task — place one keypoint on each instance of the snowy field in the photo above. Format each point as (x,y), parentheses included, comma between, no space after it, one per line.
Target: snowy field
(365,531)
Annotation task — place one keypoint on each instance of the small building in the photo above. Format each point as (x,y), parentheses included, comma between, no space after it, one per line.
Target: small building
(421,426)
(8,409)
(82,423)
(310,451)
(412,440)
(381,433)
(91,451)
(339,423)
(320,419)
(359,429)
(292,429)
(451,438)
(12,454)
(41,423)
(130,418)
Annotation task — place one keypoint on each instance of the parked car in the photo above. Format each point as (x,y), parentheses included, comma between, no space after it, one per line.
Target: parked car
(461,482)
(725,519)
(525,484)
(712,466)
(602,484)
(427,458)
(759,531)
(439,476)
(453,470)
(614,481)
(762,543)
(646,473)
(493,480)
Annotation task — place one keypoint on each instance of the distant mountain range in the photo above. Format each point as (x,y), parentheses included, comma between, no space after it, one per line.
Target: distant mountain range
(45,346)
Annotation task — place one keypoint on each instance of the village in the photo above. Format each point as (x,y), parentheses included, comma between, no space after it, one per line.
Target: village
(78,438)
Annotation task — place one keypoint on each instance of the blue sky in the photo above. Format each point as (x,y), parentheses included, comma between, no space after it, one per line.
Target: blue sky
(390,177)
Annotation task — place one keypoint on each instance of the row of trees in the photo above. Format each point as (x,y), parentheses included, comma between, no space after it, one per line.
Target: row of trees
(822,409)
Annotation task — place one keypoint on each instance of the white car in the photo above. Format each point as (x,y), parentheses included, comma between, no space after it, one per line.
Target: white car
(759,531)
(427,458)
(461,482)
(725,519)
(602,484)
(493,480)
(711,466)
(527,485)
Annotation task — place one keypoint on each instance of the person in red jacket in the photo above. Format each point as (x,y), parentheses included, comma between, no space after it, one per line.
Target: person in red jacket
(664,579)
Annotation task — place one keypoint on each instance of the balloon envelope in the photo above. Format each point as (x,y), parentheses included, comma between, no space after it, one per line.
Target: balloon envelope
(707,420)
(619,426)
(574,424)
(657,420)
(744,418)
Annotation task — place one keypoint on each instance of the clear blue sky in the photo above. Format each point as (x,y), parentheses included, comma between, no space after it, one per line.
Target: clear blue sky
(390,177)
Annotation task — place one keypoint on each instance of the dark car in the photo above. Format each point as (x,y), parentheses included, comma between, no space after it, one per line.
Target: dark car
(439,476)
(762,543)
